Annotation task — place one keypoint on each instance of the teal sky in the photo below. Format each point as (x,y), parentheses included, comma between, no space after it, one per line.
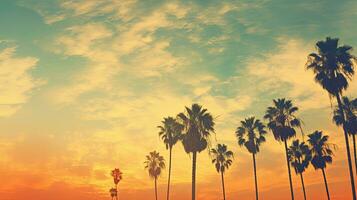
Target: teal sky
(88,76)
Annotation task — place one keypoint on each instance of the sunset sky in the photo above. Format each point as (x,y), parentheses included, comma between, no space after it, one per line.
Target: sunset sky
(85,83)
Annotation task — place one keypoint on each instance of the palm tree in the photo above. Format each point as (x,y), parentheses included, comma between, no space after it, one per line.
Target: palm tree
(154,164)
(282,122)
(197,125)
(299,157)
(170,132)
(333,66)
(113,193)
(350,110)
(251,135)
(117,176)
(321,153)
(222,160)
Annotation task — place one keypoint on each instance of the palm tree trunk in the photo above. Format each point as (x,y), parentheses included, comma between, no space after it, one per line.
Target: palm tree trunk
(287,161)
(194,157)
(224,191)
(156,188)
(347,148)
(303,185)
(169,179)
(116,187)
(326,186)
(255,178)
(354,150)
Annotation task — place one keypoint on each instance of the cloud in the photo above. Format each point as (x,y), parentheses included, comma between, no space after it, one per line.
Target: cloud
(80,39)
(112,50)
(224,106)
(141,33)
(115,9)
(154,61)
(284,70)
(54,18)
(16,82)
(88,41)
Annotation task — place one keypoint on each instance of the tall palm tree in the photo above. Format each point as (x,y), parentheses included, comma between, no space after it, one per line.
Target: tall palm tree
(350,110)
(170,132)
(333,66)
(222,159)
(117,177)
(154,164)
(282,122)
(198,125)
(251,135)
(299,157)
(321,153)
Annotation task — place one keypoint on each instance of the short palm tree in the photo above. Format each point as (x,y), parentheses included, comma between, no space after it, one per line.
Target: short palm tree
(113,193)
(154,164)
(198,125)
(282,122)
(170,132)
(299,157)
(117,177)
(350,111)
(333,66)
(321,153)
(250,134)
(222,159)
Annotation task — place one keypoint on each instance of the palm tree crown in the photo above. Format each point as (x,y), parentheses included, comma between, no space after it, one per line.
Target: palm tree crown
(350,111)
(170,131)
(251,134)
(321,150)
(299,156)
(282,119)
(222,157)
(154,163)
(197,125)
(332,65)
(117,175)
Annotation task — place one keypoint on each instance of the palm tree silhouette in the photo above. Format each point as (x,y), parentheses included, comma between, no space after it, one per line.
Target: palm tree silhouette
(350,110)
(299,157)
(222,160)
(321,153)
(282,122)
(197,125)
(113,193)
(170,132)
(333,66)
(251,135)
(117,176)
(154,164)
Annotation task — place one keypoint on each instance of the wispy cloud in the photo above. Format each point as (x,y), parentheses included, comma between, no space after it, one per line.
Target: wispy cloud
(16,82)
(129,47)
(284,70)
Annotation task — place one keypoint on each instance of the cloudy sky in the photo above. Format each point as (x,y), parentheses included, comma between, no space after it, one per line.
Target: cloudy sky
(85,83)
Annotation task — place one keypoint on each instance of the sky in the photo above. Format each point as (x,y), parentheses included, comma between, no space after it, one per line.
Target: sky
(85,83)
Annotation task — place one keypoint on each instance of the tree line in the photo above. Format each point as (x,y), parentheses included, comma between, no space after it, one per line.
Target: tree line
(333,66)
